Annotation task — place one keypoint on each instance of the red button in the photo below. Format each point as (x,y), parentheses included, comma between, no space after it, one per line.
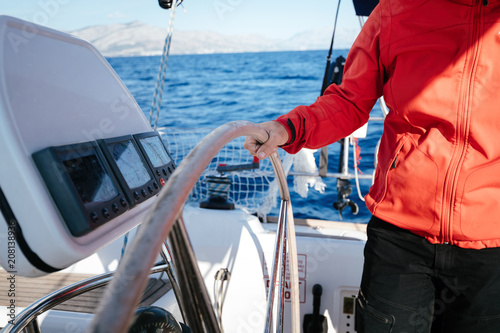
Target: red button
(162,182)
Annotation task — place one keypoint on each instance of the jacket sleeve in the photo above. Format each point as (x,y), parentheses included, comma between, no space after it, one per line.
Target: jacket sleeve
(344,108)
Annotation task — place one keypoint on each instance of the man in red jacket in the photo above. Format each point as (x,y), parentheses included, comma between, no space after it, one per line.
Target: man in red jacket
(433,246)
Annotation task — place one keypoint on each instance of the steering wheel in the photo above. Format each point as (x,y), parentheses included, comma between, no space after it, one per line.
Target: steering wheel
(117,308)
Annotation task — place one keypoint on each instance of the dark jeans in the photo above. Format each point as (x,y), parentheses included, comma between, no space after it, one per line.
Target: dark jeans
(411,285)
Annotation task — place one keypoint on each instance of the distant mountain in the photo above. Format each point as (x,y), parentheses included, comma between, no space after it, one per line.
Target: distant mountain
(139,39)
(319,39)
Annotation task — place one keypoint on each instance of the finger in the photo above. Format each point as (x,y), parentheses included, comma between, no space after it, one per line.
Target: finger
(276,135)
(258,149)
(252,145)
(267,149)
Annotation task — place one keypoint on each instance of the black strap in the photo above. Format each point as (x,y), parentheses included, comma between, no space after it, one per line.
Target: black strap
(10,219)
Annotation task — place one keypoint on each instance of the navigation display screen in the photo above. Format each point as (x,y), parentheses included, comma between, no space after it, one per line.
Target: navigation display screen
(130,163)
(155,150)
(83,185)
(90,179)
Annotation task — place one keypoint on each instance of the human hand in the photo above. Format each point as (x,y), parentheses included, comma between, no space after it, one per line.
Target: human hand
(277,136)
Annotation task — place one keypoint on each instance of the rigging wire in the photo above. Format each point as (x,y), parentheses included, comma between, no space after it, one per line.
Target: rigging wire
(160,82)
(329,57)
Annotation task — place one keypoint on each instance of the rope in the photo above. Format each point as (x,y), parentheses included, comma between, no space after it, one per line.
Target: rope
(160,82)
(221,278)
(383,106)
(356,158)
(385,111)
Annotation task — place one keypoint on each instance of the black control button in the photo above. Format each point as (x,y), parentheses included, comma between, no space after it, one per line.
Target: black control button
(123,202)
(115,208)
(136,195)
(164,171)
(143,192)
(105,213)
(169,171)
(173,166)
(150,189)
(155,185)
(158,172)
(94,217)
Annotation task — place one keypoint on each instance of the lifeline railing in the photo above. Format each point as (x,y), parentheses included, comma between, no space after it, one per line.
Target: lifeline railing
(116,310)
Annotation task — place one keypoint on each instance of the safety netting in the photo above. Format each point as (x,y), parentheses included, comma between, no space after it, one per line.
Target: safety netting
(253,190)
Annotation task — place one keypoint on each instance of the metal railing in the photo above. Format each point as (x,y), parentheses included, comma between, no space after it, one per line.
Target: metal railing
(116,310)
(27,319)
(285,248)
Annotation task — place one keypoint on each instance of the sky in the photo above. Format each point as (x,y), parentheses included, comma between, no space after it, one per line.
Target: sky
(278,19)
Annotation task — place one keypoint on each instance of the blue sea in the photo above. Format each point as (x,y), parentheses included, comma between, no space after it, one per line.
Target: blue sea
(206,91)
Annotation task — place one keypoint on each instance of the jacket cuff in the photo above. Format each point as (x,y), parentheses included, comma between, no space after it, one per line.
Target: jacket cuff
(290,128)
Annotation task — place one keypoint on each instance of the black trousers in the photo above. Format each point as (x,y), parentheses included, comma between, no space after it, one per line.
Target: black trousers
(411,285)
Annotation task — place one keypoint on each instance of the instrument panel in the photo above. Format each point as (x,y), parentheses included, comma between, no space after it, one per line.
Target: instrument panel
(157,156)
(131,169)
(94,182)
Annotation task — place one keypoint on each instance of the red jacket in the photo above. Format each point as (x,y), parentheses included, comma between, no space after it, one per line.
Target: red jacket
(437,63)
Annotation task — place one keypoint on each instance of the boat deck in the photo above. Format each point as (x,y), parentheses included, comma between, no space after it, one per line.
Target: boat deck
(29,290)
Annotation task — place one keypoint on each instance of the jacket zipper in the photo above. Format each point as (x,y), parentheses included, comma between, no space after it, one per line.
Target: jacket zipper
(463,126)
